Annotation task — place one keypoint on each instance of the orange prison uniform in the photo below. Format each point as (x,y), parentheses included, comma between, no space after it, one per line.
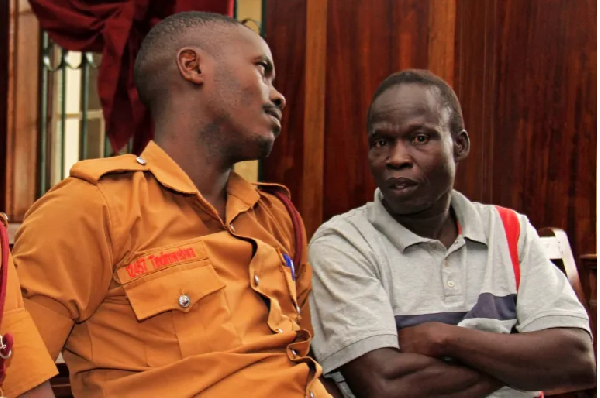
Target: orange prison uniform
(127,268)
(35,365)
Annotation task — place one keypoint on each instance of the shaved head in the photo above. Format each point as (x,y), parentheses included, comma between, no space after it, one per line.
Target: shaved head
(159,49)
(208,81)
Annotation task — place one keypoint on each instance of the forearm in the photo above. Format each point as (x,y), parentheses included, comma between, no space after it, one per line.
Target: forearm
(414,375)
(549,359)
(434,378)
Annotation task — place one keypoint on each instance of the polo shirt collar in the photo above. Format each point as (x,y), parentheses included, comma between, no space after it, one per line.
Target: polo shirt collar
(468,217)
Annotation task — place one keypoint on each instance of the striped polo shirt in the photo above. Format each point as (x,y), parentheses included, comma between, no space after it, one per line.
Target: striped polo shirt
(371,276)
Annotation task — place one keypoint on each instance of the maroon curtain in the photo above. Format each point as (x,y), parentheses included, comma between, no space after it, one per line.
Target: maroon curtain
(116,29)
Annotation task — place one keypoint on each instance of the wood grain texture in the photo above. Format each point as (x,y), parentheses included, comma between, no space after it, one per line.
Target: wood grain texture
(442,32)
(544,152)
(22,111)
(474,84)
(285,32)
(314,114)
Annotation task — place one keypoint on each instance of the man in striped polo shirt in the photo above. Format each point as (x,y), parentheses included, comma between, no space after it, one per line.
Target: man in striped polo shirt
(416,295)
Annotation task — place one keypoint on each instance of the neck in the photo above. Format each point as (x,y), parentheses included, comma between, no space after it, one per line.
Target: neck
(202,162)
(438,222)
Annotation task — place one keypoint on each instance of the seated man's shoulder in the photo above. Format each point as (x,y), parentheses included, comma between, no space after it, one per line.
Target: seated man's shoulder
(350,225)
(95,170)
(89,187)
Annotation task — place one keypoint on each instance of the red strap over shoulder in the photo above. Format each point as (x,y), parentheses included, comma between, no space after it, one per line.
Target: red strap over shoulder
(295,216)
(512,228)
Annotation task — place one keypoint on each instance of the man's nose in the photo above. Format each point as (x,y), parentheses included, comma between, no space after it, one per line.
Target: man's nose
(277,98)
(399,157)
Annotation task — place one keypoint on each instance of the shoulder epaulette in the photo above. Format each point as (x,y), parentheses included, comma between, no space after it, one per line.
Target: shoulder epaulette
(93,170)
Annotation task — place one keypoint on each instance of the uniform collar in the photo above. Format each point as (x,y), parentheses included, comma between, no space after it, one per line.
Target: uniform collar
(168,173)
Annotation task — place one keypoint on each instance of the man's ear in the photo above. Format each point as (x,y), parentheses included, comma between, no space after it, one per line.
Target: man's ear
(462,145)
(188,62)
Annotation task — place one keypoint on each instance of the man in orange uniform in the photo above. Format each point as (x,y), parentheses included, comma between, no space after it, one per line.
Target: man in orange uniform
(168,274)
(28,346)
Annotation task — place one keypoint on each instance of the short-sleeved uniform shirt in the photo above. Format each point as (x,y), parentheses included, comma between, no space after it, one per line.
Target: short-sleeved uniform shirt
(129,271)
(28,347)
(372,276)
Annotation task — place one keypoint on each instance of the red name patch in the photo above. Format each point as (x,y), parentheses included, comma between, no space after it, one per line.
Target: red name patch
(159,260)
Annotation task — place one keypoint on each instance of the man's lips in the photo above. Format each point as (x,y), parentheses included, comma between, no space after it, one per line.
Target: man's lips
(275,113)
(401,183)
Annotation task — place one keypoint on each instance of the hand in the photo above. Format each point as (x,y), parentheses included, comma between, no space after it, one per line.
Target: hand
(426,339)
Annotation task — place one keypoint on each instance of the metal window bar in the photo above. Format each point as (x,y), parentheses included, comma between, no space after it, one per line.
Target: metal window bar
(56,71)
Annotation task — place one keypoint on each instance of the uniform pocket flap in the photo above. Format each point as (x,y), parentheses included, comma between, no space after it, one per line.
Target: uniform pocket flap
(176,288)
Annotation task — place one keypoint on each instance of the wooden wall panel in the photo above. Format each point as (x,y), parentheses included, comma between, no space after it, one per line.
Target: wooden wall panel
(474,84)
(314,115)
(544,123)
(441,49)
(22,111)
(285,32)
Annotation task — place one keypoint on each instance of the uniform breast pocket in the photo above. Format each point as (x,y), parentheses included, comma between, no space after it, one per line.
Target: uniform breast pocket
(181,311)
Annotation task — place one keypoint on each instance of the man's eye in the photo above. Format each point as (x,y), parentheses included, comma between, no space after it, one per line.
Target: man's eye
(421,139)
(379,143)
(262,67)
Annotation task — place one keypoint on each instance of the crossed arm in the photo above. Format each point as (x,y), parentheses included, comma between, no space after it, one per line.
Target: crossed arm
(388,373)
(486,362)
(560,358)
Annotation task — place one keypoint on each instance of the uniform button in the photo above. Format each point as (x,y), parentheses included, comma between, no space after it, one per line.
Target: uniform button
(140,161)
(298,309)
(450,283)
(184,301)
(256,280)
